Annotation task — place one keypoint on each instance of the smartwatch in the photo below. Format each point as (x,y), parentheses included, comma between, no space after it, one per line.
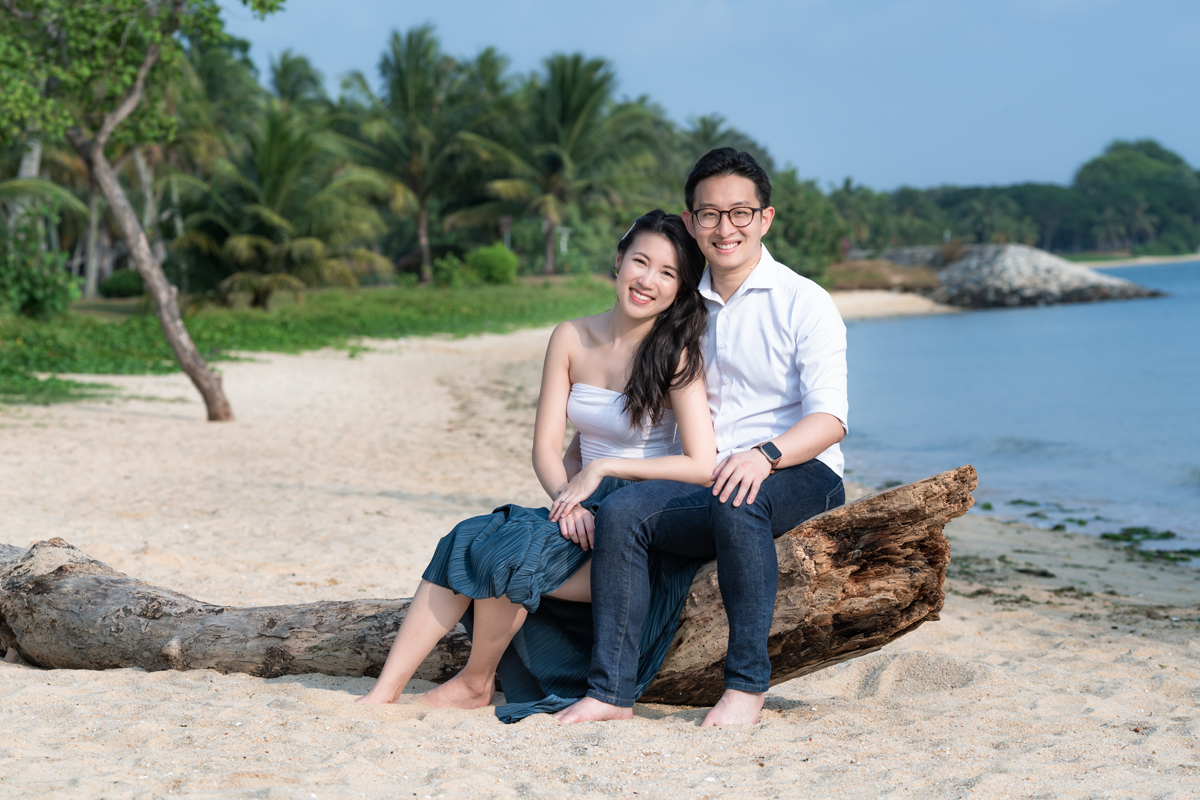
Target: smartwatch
(772,453)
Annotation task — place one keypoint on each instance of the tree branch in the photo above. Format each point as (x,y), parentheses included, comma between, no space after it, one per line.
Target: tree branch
(119,114)
(16,12)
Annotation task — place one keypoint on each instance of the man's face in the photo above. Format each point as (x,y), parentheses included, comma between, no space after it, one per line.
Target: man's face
(728,247)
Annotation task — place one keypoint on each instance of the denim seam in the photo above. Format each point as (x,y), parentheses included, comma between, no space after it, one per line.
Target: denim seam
(832,492)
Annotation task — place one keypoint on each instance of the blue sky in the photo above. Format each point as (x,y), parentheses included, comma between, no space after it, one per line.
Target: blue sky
(889,92)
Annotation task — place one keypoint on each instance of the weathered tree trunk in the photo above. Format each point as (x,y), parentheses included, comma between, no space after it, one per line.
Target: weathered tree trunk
(851,580)
(92,151)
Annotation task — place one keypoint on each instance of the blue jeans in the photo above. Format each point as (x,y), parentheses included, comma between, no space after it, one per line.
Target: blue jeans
(687,520)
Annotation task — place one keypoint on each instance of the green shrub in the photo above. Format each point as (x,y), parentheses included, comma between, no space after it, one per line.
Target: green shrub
(450,272)
(33,282)
(123,283)
(493,264)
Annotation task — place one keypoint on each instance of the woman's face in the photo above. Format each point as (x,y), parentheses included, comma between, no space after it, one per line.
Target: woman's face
(647,277)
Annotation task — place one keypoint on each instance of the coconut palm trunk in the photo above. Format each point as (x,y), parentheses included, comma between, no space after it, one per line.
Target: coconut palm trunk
(31,164)
(549,267)
(423,243)
(149,205)
(91,264)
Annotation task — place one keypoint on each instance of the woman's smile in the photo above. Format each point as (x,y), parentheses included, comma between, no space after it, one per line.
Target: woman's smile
(639,297)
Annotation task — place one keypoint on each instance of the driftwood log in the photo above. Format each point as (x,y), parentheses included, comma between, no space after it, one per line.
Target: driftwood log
(851,580)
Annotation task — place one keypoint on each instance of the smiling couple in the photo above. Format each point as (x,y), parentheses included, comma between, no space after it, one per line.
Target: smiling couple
(710,402)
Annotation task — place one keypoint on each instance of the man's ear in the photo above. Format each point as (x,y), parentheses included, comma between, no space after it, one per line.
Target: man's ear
(768,214)
(689,222)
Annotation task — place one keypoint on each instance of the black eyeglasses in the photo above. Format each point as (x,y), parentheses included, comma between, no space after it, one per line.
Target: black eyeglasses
(711,217)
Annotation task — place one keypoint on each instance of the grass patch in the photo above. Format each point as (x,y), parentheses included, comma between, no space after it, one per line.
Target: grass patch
(87,342)
(31,390)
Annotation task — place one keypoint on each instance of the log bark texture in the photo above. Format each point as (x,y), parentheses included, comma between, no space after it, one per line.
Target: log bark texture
(851,580)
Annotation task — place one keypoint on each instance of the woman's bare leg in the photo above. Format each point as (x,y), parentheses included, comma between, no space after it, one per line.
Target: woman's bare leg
(578,587)
(495,622)
(433,613)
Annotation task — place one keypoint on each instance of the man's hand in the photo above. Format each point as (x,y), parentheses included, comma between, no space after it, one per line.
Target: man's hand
(742,473)
(579,526)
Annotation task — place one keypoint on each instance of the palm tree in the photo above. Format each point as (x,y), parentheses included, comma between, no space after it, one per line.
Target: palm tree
(19,191)
(289,206)
(295,81)
(709,131)
(411,133)
(1138,223)
(575,144)
(1109,231)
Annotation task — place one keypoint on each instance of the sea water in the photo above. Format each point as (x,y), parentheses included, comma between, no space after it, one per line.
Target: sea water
(1083,415)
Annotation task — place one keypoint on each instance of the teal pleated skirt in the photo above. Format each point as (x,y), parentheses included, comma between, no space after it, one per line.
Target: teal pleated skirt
(518,553)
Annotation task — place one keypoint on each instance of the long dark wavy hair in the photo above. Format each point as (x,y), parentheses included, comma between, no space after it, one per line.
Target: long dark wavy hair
(656,364)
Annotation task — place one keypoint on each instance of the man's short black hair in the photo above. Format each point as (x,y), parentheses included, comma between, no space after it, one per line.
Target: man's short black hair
(727,161)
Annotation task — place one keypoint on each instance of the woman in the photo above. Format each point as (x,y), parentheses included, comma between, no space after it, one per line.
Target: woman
(630,380)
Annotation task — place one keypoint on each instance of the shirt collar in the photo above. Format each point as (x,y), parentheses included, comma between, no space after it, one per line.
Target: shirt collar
(763,276)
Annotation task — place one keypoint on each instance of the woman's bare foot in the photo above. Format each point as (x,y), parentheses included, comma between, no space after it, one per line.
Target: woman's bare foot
(589,709)
(380,695)
(735,708)
(459,692)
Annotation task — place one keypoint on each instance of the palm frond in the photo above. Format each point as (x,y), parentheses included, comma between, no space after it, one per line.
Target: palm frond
(38,189)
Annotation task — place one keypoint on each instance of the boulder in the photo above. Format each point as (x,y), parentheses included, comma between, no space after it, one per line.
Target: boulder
(1018,275)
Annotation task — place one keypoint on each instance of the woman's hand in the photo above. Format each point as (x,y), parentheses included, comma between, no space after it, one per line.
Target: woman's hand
(578,489)
(578,526)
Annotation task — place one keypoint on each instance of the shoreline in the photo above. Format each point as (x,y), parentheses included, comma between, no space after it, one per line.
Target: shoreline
(859,304)
(1058,668)
(1140,261)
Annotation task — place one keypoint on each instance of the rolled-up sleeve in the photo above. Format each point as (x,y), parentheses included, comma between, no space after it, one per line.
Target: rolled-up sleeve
(820,360)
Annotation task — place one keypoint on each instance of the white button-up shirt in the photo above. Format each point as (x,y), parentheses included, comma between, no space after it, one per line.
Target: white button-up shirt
(775,353)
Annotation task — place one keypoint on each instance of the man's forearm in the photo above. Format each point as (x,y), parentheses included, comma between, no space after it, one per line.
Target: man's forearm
(808,438)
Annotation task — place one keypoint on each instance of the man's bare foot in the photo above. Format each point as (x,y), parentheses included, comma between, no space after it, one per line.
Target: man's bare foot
(459,693)
(735,708)
(590,709)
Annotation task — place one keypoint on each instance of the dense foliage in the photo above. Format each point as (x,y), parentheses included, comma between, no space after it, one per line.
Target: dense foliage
(1135,197)
(32,279)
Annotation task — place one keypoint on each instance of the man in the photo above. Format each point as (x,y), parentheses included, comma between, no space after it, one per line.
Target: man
(775,367)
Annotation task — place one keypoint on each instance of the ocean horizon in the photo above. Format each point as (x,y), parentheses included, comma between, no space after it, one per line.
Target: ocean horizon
(1083,415)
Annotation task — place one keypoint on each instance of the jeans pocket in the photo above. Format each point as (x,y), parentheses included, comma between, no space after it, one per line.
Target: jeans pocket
(836,496)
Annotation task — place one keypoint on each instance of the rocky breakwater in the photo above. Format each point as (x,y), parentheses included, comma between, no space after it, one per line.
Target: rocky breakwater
(1018,275)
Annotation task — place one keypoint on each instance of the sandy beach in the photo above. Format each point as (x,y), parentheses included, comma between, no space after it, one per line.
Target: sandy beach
(1059,668)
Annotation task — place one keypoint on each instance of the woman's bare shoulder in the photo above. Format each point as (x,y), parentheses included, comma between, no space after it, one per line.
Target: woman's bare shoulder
(587,331)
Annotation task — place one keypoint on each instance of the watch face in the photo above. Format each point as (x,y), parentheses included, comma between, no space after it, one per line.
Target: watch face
(771,451)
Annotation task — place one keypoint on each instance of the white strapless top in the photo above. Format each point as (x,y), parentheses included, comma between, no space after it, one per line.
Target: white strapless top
(605,432)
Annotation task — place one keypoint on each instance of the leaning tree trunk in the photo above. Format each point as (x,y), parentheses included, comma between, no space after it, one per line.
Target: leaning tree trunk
(851,580)
(164,294)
